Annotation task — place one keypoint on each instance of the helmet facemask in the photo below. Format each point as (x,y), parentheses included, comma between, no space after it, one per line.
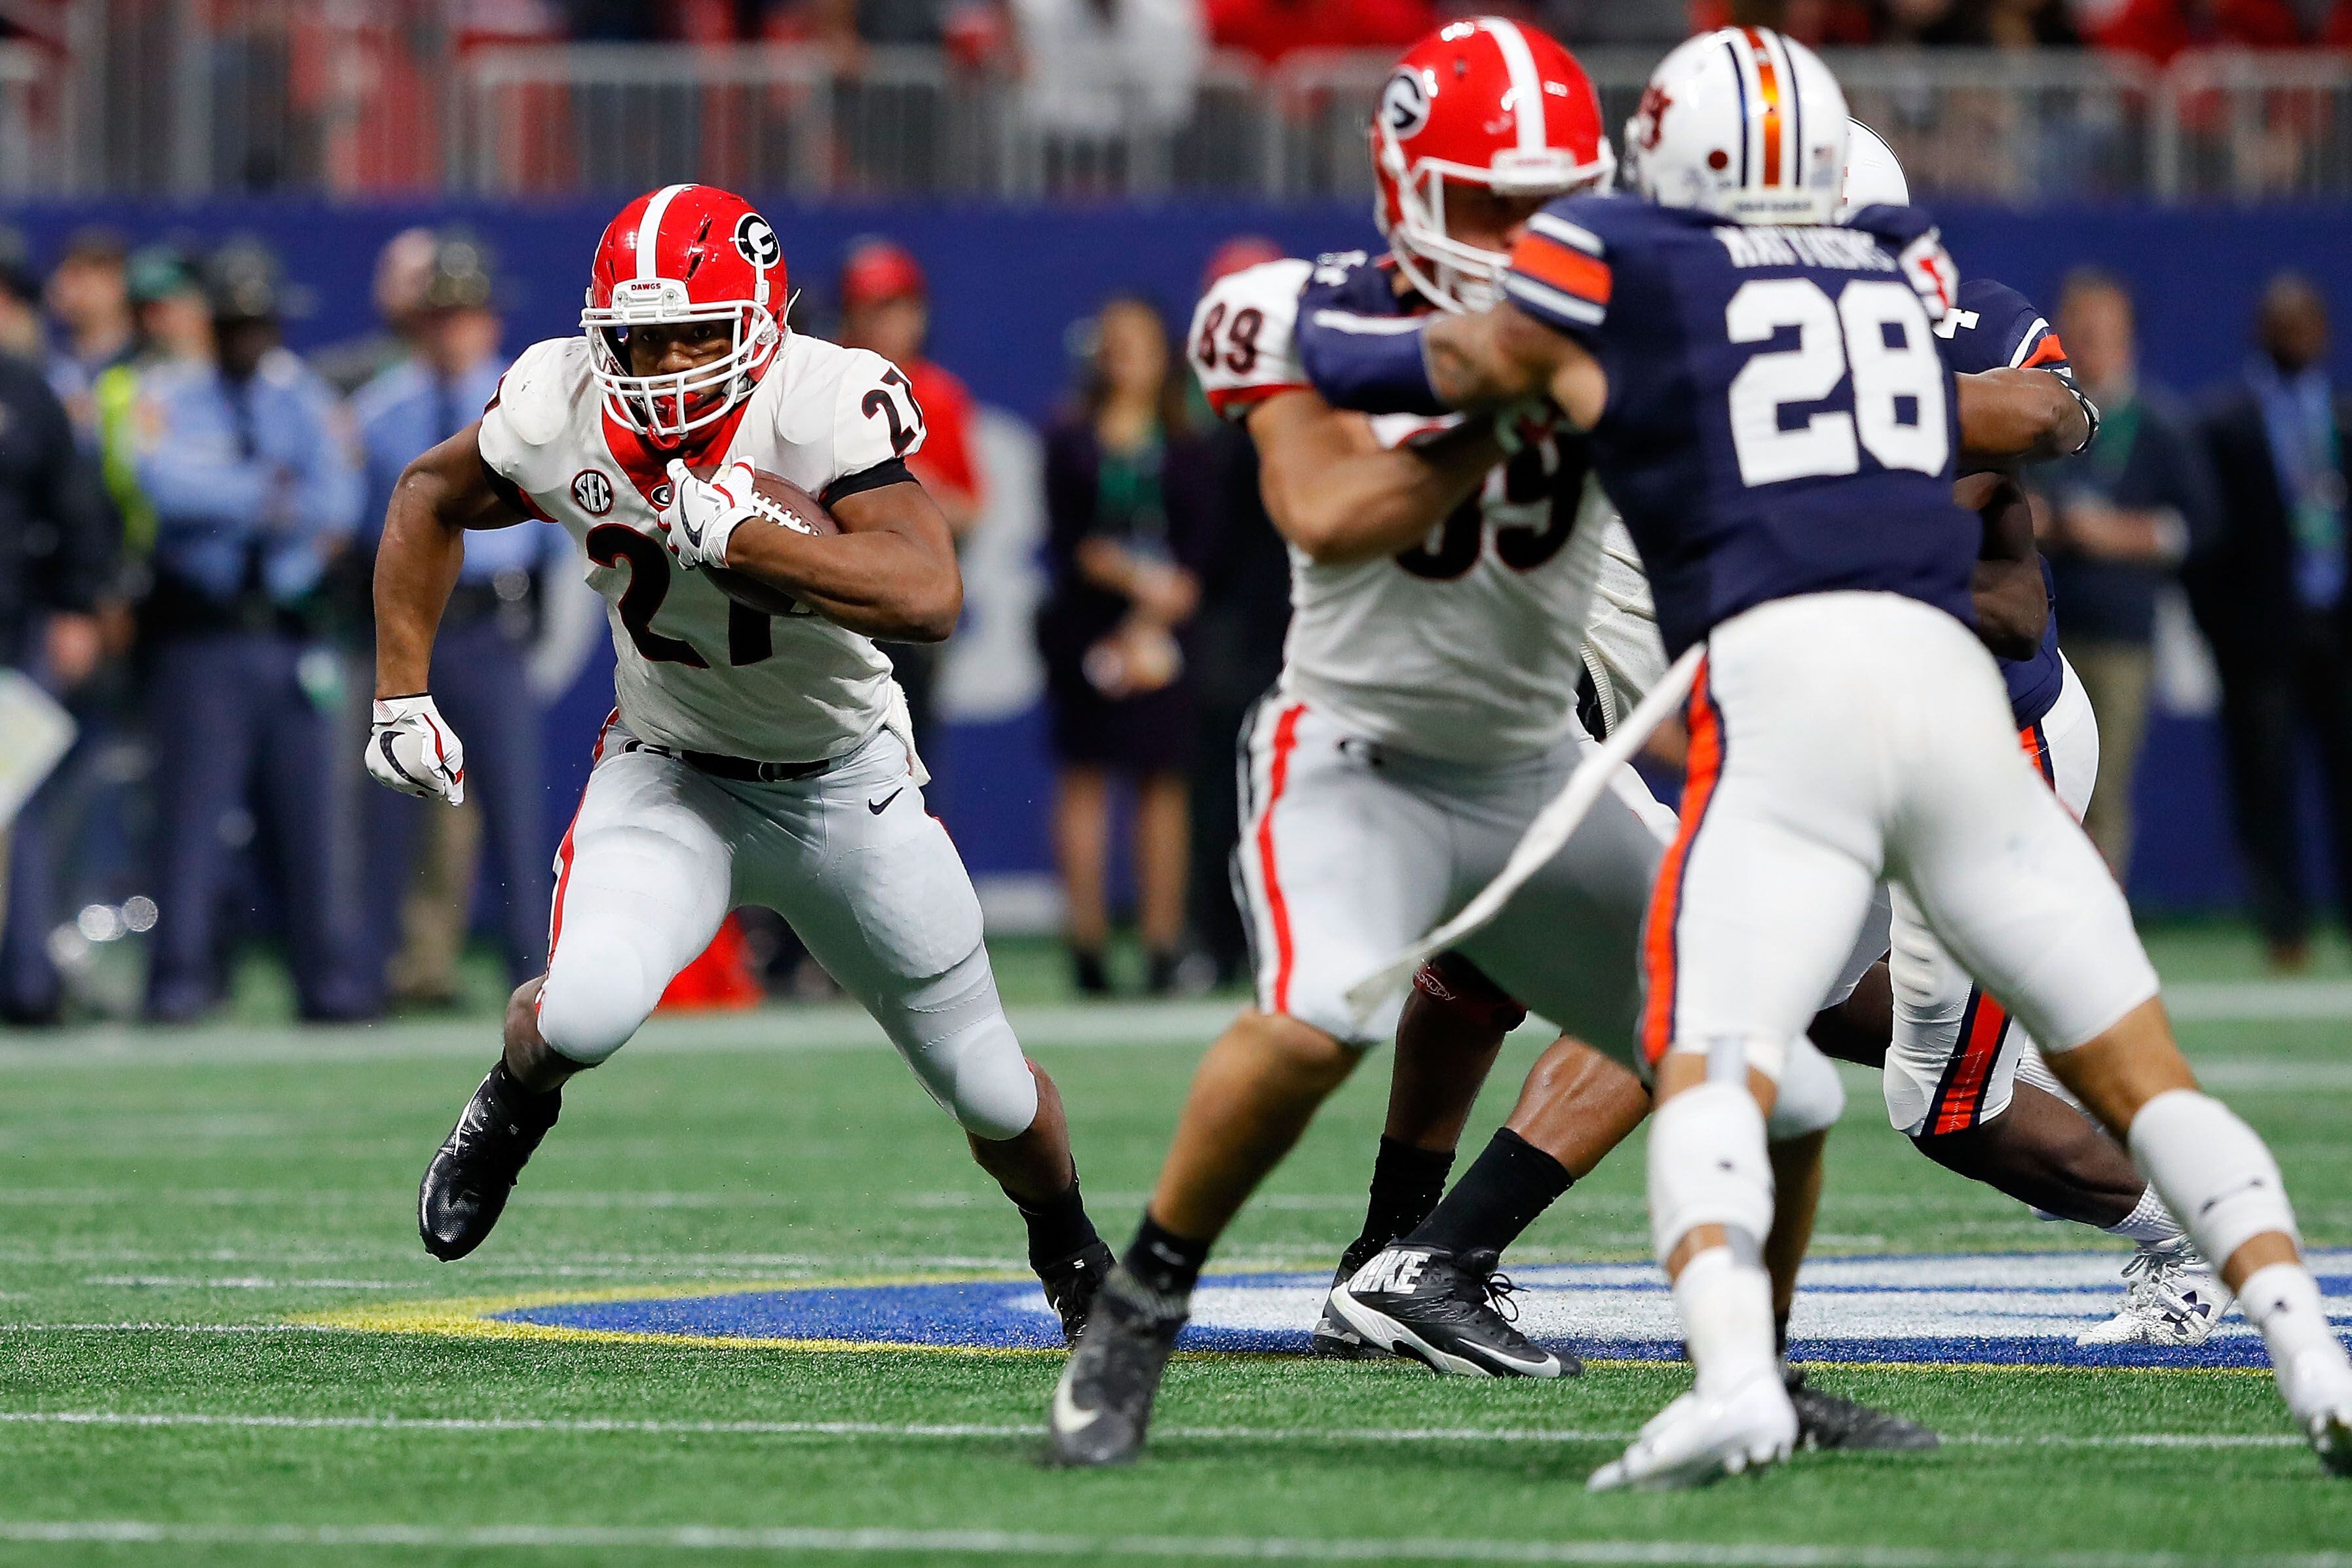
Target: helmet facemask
(668,407)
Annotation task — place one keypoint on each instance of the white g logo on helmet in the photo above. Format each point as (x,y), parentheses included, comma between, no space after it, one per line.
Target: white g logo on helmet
(1744,123)
(1404,105)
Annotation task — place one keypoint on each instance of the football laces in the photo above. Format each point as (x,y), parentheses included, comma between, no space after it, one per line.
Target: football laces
(775,511)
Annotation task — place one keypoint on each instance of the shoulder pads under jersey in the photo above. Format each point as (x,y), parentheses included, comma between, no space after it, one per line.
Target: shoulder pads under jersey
(1243,343)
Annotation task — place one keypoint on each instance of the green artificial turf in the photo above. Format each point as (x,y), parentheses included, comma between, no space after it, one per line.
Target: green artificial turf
(170,1206)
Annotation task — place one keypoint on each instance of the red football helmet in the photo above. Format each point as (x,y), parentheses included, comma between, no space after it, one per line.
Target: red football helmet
(684,254)
(1488,102)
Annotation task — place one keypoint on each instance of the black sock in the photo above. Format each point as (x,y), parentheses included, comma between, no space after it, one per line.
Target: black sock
(1497,1197)
(1058,1227)
(1407,1182)
(1167,1265)
(518,1097)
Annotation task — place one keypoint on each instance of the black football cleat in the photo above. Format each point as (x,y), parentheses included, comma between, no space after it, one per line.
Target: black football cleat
(1828,1421)
(1072,1285)
(1102,1405)
(1333,1339)
(466,1188)
(1445,1312)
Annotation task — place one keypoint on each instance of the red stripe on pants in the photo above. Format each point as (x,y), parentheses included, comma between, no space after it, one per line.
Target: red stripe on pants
(1286,741)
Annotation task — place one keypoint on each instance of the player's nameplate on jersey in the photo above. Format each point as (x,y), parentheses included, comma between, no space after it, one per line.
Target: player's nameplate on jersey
(35,734)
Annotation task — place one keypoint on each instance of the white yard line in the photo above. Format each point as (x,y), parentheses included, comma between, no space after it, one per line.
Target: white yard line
(921,1431)
(1026,1543)
(1172,1025)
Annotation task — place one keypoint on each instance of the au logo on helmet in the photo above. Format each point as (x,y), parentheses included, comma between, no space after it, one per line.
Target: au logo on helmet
(757,241)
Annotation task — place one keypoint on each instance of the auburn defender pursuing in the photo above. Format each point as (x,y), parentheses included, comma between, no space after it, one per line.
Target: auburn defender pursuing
(760,750)
(1768,410)
(1426,709)
(1951,1059)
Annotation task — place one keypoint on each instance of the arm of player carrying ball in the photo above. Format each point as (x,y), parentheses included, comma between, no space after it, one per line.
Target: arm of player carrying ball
(889,573)
(438,496)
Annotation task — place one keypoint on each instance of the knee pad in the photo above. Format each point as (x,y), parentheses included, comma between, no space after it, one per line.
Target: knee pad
(980,1078)
(1812,1097)
(596,994)
(2211,1170)
(1707,1167)
(1460,985)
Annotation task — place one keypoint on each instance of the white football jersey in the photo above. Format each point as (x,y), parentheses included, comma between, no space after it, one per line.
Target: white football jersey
(1622,649)
(1465,647)
(698,670)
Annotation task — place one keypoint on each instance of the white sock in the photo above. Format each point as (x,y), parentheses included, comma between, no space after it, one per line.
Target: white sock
(2283,1300)
(2211,1170)
(2149,1223)
(1726,1309)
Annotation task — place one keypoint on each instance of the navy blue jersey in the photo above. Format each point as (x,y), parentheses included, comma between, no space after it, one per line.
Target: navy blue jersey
(1990,327)
(1780,419)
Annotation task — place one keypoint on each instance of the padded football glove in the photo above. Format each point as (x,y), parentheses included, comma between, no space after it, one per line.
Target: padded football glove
(702,512)
(411,749)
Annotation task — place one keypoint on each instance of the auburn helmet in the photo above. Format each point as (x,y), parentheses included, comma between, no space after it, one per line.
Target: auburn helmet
(1482,101)
(1743,123)
(680,255)
(1873,176)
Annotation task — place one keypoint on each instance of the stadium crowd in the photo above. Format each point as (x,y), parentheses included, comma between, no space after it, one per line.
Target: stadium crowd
(188,572)
(1272,29)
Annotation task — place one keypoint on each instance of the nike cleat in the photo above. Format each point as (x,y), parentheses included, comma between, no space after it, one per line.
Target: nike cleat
(1826,1420)
(466,1185)
(1102,1405)
(1072,1285)
(1699,1438)
(1425,1303)
(1333,1339)
(2173,1299)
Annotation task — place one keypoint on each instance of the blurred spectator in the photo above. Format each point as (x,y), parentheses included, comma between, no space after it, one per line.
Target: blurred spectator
(402,269)
(1104,81)
(2117,522)
(56,561)
(2273,601)
(240,453)
(1272,29)
(479,660)
(22,334)
(1236,644)
(2156,30)
(886,307)
(90,295)
(1584,24)
(1128,489)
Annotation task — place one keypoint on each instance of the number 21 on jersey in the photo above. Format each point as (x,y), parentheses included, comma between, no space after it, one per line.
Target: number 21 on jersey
(1876,332)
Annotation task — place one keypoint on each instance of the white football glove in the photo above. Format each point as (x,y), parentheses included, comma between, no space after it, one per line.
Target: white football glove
(411,749)
(702,512)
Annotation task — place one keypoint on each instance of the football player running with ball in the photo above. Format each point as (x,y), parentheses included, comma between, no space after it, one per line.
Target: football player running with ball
(1768,410)
(741,493)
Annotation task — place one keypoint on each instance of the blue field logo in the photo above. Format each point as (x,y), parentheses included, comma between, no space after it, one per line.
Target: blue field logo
(2009,1309)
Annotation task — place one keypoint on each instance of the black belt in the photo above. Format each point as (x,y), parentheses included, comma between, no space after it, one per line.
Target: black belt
(740,769)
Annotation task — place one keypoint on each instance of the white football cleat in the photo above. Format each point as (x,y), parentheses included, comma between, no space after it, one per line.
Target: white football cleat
(2317,1388)
(1698,1439)
(2174,1299)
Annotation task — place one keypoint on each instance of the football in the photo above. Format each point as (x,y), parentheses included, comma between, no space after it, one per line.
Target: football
(778,500)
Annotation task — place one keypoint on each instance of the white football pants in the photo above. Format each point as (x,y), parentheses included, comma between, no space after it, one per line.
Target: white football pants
(1837,739)
(661,851)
